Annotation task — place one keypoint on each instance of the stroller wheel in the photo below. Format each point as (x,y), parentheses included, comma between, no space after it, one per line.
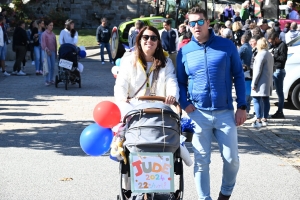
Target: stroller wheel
(79,83)
(56,81)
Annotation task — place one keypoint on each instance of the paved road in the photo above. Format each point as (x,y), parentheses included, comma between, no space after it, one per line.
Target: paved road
(39,145)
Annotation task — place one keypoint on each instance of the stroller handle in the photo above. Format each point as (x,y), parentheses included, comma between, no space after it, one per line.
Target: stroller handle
(163,99)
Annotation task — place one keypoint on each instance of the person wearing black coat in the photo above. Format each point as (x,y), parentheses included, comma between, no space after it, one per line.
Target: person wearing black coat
(20,41)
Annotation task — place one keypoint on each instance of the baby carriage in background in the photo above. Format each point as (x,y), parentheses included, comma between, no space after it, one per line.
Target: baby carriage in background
(68,56)
(151,131)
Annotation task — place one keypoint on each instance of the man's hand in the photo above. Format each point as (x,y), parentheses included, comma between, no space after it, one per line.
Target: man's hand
(190,108)
(170,99)
(240,117)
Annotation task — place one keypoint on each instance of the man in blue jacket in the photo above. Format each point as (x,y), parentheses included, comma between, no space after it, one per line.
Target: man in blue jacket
(206,68)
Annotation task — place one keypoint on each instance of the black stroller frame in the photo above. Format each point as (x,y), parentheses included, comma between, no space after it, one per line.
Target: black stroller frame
(178,164)
(68,52)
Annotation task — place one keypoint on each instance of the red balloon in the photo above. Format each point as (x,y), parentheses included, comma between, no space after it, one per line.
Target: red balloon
(107,114)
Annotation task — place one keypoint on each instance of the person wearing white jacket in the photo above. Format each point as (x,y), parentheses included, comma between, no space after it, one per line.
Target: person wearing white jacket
(69,34)
(135,77)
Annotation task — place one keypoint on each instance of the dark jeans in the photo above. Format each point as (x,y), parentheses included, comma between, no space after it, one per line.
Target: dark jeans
(107,46)
(278,78)
(20,54)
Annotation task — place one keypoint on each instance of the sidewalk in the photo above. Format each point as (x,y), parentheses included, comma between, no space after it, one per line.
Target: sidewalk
(39,144)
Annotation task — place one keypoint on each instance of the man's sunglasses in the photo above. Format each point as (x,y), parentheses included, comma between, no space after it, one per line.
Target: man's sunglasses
(200,22)
(153,38)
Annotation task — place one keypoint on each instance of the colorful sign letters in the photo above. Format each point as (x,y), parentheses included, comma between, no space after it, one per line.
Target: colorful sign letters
(152,172)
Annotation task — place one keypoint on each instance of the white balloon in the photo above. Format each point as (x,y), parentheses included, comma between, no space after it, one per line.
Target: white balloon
(124,108)
(115,70)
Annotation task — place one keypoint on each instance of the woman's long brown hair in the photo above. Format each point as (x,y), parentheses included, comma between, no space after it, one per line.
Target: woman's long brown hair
(159,57)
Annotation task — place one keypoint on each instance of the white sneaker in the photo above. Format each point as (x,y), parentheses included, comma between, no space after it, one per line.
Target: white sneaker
(6,74)
(102,63)
(21,73)
(14,73)
(32,63)
(248,116)
(264,123)
(256,124)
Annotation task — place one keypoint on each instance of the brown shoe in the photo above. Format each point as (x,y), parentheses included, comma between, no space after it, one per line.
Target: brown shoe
(223,197)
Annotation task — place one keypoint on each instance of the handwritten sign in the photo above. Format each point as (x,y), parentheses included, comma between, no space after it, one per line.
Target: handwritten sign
(65,64)
(152,172)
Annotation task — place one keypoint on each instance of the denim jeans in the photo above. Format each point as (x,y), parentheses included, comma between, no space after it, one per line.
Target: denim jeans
(248,101)
(38,58)
(278,78)
(221,125)
(51,65)
(261,107)
(107,46)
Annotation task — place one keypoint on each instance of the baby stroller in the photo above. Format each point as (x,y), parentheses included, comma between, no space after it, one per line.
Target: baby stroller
(67,66)
(151,127)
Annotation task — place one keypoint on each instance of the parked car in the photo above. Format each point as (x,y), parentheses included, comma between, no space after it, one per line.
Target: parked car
(291,84)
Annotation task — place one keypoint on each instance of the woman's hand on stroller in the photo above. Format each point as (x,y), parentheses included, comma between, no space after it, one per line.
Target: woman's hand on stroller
(170,99)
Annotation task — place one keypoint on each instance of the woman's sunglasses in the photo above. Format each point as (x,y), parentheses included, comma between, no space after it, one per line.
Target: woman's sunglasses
(153,38)
(200,22)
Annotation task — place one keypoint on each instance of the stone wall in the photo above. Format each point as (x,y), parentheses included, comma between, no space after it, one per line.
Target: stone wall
(87,13)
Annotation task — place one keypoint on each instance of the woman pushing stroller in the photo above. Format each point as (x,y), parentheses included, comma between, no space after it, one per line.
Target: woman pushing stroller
(147,71)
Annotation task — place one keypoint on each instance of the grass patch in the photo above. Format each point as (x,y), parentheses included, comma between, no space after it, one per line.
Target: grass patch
(86,37)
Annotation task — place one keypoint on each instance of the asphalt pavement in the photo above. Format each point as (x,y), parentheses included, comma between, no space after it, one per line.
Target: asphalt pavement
(40,155)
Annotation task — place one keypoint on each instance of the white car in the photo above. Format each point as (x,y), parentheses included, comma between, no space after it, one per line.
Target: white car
(291,84)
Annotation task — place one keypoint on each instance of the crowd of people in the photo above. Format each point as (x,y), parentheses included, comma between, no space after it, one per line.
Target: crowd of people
(199,73)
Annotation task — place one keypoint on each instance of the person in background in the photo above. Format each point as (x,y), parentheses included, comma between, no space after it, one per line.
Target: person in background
(227,32)
(203,66)
(253,43)
(262,83)
(279,51)
(228,12)
(294,13)
(245,53)
(133,32)
(237,33)
(277,27)
(252,11)
(293,33)
(3,50)
(245,12)
(103,35)
(20,42)
(49,47)
(236,17)
(288,9)
(181,31)
(169,40)
(36,36)
(30,45)
(69,34)
(286,29)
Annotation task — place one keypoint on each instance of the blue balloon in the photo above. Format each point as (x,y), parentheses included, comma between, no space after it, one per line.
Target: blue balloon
(118,62)
(96,140)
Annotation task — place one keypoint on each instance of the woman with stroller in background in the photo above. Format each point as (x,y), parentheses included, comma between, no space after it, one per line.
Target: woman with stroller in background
(147,71)
(69,34)
(49,47)
(36,34)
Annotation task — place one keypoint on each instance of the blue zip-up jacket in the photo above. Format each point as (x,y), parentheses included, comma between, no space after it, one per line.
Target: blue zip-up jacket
(245,53)
(205,73)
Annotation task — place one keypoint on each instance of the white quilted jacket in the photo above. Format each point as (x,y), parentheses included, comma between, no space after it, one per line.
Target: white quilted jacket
(131,78)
